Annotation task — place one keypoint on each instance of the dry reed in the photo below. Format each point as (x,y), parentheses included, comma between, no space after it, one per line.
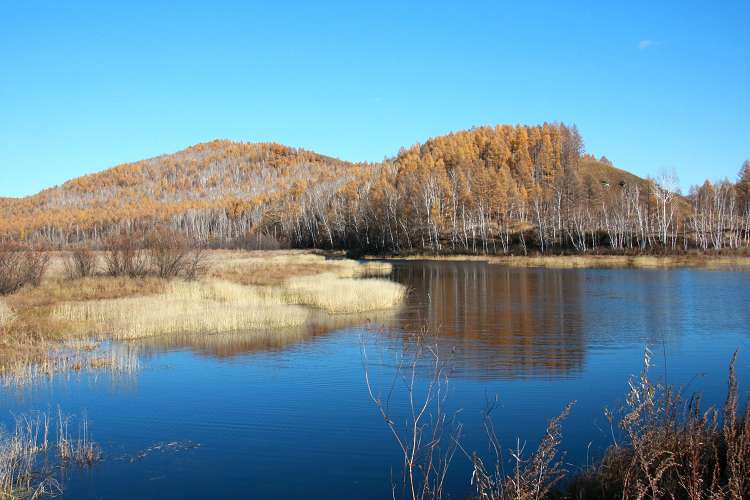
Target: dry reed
(6,314)
(276,267)
(200,307)
(26,464)
(126,308)
(344,295)
(72,356)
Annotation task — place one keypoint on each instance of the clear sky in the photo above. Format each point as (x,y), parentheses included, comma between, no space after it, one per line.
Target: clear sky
(87,85)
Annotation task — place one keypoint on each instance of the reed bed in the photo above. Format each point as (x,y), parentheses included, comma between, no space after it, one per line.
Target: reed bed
(241,292)
(273,268)
(32,453)
(344,295)
(211,307)
(19,452)
(185,307)
(73,356)
(622,261)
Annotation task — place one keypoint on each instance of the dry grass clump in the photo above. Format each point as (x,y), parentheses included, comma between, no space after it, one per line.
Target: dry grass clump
(533,478)
(673,448)
(620,261)
(31,453)
(20,476)
(344,295)
(81,450)
(6,314)
(201,307)
(54,291)
(273,268)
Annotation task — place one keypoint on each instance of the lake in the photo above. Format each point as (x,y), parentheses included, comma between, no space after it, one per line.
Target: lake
(288,415)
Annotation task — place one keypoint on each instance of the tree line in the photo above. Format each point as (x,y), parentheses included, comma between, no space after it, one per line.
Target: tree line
(503,189)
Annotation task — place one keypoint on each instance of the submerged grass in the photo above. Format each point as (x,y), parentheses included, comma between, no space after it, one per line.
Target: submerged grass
(31,454)
(74,356)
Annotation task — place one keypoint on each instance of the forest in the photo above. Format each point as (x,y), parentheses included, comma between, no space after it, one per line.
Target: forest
(489,190)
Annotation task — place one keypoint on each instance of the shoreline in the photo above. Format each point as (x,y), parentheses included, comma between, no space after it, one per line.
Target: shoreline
(739,262)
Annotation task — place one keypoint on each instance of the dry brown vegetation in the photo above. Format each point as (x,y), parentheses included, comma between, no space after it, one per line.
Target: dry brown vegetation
(619,261)
(20,267)
(38,323)
(276,267)
(81,263)
(673,448)
(665,445)
(32,453)
(737,262)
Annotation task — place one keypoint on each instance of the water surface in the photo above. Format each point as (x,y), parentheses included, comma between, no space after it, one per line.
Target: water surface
(289,416)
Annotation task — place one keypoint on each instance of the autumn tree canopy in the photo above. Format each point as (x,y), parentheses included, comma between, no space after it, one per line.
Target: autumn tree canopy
(494,189)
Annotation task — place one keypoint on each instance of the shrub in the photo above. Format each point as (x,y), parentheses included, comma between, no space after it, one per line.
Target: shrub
(20,267)
(124,256)
(81,263)
(170,255)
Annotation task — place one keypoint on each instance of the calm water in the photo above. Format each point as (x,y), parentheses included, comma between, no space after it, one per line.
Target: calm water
(290,416)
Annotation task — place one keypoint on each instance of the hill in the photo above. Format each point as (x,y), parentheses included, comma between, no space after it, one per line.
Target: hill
(489,189)
(204,176)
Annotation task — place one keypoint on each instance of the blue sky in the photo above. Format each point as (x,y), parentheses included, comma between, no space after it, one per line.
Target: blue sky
(87,85)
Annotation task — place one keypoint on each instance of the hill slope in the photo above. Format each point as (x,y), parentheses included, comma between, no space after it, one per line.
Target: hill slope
(469,191)
(202,176)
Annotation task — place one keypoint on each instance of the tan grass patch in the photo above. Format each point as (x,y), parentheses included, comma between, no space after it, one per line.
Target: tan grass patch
(276,267)
(6,313)
(344,295)
(184,307)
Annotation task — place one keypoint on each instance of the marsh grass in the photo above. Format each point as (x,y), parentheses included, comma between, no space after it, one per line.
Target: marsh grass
(34,450)
(6,314)
(225,345)
(200,307)
(623,261)
(37,322)
(673,448)
(82,450)
(274,268)
(344,295)
(120,361)
(20,449)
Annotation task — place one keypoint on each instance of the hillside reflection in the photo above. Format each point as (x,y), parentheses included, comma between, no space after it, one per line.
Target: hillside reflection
(498,322)
(502,322)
